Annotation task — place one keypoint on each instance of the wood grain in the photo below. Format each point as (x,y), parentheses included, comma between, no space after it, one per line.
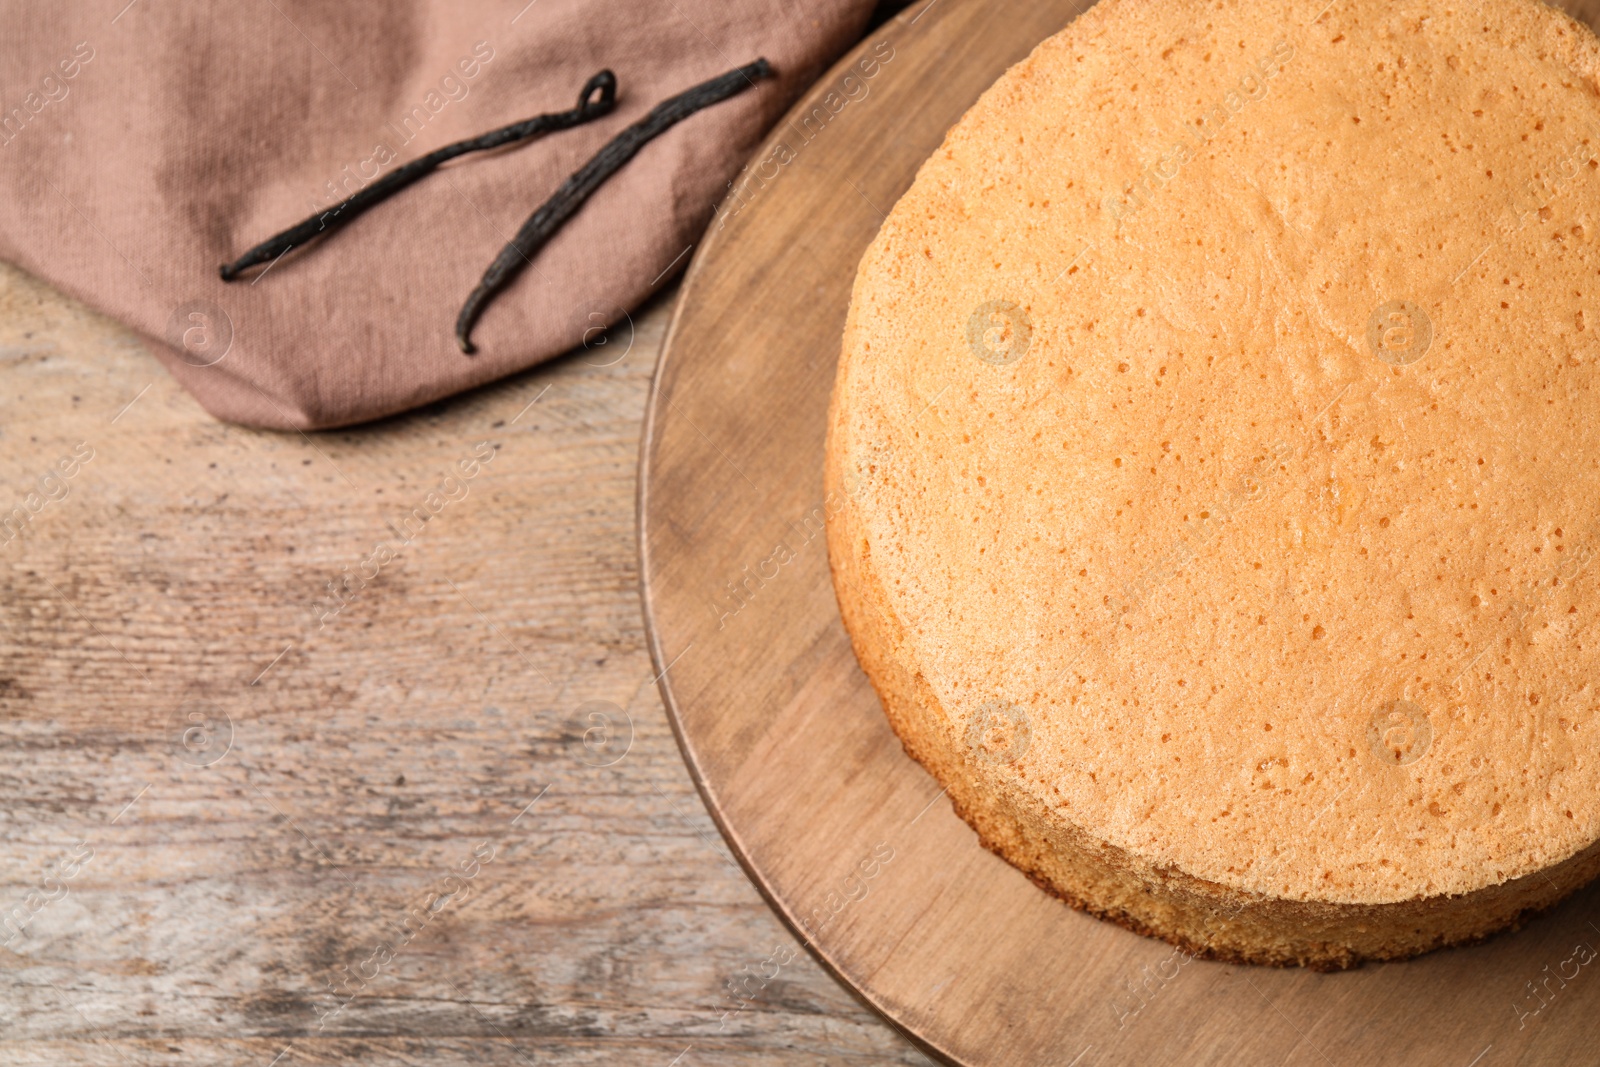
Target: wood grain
(225,894)
(850,840)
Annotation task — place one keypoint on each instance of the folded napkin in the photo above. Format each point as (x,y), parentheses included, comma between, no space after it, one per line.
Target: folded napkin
(142,146)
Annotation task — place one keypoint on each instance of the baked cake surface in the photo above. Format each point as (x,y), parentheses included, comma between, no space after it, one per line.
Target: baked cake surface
(1218,435)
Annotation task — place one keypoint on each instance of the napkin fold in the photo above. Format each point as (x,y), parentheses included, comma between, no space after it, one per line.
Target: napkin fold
(143,145)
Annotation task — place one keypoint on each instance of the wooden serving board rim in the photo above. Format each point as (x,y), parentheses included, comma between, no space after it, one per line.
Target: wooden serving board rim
(658,655)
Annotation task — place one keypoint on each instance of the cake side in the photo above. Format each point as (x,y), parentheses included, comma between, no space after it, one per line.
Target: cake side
(1205,919)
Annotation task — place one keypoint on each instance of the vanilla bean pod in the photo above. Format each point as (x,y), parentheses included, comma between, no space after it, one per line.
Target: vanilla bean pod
(544,223)
(588,109)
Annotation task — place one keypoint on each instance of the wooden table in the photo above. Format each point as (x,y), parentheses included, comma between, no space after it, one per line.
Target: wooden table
(242,827)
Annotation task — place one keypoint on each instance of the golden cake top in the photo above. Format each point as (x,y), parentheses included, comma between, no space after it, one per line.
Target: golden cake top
(1220,410)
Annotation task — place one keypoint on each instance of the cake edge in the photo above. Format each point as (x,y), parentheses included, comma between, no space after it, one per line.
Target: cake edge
(1204,919)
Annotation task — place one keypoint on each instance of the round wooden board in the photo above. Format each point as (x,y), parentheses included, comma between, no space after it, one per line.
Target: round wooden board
(851,841)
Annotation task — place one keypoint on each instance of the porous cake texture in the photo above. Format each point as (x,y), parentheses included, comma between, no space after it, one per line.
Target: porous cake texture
(1218,427)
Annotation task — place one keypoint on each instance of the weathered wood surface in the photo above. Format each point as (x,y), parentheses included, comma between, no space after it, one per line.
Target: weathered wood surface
(851,840)
(199,903)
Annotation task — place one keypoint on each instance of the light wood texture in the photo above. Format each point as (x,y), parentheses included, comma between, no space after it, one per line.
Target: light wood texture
(367,763)
(794,756)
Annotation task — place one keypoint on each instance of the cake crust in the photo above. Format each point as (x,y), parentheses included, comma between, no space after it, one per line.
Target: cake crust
(1215,524)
